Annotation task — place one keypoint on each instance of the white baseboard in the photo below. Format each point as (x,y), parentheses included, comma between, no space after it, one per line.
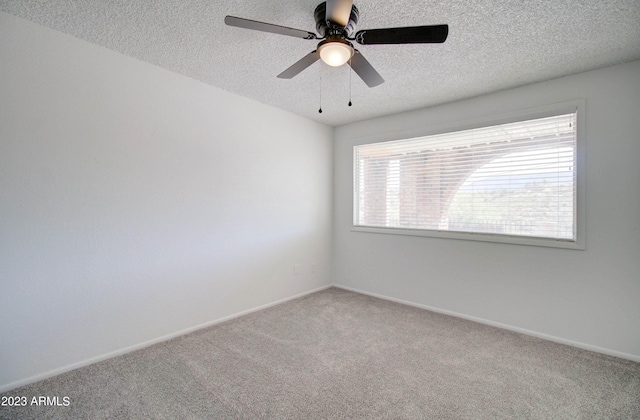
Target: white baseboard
(58,371)
(609,352)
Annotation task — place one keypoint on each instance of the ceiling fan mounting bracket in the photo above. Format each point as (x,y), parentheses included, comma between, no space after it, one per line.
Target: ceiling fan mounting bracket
(326,28)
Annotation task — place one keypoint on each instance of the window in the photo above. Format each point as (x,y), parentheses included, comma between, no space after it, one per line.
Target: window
(514,180)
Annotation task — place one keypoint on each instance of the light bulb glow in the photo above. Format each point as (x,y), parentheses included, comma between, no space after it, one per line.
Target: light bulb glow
(335,53)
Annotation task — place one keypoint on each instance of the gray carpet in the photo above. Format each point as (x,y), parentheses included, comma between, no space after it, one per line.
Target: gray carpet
(337,354)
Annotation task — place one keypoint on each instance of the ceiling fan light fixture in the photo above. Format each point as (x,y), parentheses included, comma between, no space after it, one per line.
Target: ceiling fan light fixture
(335,52)
(336,25)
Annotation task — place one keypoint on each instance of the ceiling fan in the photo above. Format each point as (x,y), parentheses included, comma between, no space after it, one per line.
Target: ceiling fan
(336,24)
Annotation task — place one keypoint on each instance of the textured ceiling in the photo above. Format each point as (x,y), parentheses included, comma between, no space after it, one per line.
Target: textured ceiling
(492,45)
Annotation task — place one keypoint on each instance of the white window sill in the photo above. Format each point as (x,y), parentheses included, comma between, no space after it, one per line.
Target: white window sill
(484,237)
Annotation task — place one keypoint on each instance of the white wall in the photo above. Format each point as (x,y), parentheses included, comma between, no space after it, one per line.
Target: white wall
(136,203)
(590,298)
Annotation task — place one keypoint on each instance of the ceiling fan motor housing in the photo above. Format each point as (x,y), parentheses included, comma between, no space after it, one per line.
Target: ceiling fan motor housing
(325,28)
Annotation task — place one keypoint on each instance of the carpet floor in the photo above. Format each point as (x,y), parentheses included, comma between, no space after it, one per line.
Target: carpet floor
(336,354)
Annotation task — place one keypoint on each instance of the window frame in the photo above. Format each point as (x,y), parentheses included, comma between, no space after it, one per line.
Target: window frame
(577,106)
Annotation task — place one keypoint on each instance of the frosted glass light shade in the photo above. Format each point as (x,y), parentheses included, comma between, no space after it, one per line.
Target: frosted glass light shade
(335,53)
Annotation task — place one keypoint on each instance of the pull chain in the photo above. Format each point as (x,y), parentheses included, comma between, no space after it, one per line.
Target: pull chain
(320,73)
(350,71)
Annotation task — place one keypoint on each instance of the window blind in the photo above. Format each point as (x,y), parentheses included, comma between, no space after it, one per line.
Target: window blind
(514,179)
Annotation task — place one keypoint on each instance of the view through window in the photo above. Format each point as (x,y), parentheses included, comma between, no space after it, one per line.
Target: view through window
(516,179)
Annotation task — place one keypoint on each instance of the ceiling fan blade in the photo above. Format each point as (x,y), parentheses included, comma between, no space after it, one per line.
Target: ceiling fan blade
(300,65)
(268,27)
(407,35)
(339,11)
(367,73)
